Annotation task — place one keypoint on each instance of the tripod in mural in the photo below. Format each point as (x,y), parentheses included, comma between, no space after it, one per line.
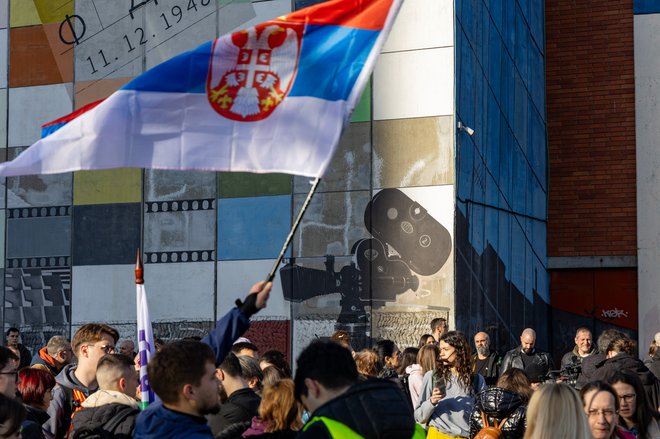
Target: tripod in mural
(406,243)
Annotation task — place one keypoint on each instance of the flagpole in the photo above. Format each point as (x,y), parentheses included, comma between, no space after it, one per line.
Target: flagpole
(139,270)
(289,238)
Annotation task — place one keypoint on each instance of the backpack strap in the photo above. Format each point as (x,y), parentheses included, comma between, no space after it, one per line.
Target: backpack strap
(118,418)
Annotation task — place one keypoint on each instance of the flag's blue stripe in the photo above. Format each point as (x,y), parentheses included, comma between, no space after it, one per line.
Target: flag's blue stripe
(185,73)
(50,129)
(331,60)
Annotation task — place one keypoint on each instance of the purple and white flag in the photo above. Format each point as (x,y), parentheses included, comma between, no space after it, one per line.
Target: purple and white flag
(145,346)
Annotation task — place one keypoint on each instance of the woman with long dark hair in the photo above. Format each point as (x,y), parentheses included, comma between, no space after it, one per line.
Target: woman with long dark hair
(388,358)
(635,412)
(447,396)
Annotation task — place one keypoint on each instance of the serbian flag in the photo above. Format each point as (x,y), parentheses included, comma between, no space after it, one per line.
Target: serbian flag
(271,98)
(146,346)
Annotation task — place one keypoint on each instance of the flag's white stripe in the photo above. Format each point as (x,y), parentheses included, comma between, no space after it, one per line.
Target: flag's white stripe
(172,130)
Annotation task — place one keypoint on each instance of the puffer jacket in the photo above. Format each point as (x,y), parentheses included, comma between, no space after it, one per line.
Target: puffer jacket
(498,404)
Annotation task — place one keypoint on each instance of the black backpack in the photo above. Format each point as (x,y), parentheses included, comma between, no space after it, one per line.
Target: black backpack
(107,430)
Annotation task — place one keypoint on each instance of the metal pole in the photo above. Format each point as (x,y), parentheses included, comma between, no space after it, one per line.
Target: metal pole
(273,270)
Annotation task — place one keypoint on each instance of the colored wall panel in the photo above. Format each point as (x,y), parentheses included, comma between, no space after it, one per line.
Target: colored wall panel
(362,112)
(194,28)
(104,293)
(332,223)
(87,92)
(37,296)
(253,228)
(38,190)
(3,58)
(235,278)
(180,291)
(428,76)
(4,13)
(107,186)
(23,13)
(422,24)
(429,154)
(3,119)
(106,234)
(242,184)
(38,57)
(30,107)
(2,239)
(160,185)
(350,168)
(181,231)
(38,236)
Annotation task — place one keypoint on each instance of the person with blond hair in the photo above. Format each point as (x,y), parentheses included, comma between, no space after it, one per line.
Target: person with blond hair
(280,414)
(366,362)
(555,411)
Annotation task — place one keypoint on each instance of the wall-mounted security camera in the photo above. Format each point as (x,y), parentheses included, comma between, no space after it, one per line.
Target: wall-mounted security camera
(467,129)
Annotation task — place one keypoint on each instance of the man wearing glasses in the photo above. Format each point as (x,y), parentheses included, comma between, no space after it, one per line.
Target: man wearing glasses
(77,381)
(8,372)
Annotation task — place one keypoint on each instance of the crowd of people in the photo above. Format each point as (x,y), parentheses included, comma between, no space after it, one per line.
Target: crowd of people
(222,387)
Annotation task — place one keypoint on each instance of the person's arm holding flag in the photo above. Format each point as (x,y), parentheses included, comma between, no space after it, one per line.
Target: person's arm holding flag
(234,324)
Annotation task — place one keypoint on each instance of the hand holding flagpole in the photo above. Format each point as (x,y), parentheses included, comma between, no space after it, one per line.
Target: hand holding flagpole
(145,335)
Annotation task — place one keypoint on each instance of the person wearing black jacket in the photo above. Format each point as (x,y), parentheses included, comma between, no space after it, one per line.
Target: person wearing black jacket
(486,362)
(241,405)
(526,355)
(506,402)
(620,357)
(327,384)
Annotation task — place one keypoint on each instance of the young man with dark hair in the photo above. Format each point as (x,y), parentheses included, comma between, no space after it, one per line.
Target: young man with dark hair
(13,338)
(8,372)
(327,384)
(240,403)
(114,407)
(183,375)
(439,327)
(245,348)
(77,381)
(55,355)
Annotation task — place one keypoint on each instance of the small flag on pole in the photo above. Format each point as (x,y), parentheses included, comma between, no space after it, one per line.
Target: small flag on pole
(271,98)
(145,336)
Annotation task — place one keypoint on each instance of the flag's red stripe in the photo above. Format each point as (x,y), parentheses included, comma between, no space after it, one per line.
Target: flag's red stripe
(361,14)
(69,117)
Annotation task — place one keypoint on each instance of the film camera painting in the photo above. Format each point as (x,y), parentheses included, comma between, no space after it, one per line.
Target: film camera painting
(403,270)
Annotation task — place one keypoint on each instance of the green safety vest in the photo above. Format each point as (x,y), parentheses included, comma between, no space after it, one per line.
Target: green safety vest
(340,431)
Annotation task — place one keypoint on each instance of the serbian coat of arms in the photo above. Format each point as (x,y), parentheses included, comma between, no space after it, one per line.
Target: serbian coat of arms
(251,71)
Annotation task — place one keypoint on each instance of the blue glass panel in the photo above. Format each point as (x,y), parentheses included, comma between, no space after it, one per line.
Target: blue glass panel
(509,26)
(495,7)
(530,277)
(495,61)
(468,85)
(477,227)
(517,266)
(504,249)
(478,180)
(506,158)
(646,6)
(492,190)
(537,145)
(481,90)
(519,178)
(465,165)
(538,238)
(492,221)
(536,23)
(539,199)
(537,79)
(507,79)
(493,136)
(520,115)
(522,34)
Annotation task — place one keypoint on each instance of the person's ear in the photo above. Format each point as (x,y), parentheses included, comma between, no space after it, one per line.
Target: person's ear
(121,384)
(313,388)
(188,391)
(220,374)
(83,351)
